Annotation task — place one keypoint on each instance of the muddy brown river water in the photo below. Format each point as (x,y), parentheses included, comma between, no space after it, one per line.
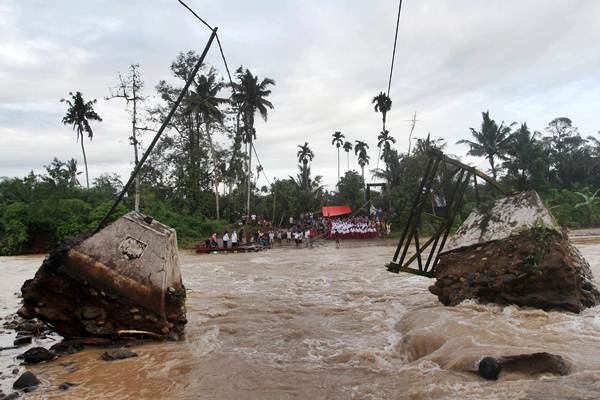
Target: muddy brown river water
(323,323)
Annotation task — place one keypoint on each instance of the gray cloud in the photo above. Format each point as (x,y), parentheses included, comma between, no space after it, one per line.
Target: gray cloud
(523,60)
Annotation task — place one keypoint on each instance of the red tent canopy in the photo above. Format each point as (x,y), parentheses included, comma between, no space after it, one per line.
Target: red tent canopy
(334,211)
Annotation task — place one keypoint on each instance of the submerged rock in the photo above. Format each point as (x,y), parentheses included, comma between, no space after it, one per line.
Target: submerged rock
(489,368)
(88,287)
(22,340)
(66,386)
(26,380)
(534,363)
(119,354)
(514,253)
(37,355)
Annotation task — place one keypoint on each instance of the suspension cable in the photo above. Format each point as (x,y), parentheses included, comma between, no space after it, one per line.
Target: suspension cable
(394,51)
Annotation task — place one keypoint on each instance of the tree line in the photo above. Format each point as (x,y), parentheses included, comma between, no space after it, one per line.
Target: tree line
(201,178)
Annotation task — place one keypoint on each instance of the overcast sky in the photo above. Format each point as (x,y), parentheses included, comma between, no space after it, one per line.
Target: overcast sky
(524,60)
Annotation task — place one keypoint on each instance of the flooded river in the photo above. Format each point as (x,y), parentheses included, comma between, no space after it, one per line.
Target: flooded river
(323,323)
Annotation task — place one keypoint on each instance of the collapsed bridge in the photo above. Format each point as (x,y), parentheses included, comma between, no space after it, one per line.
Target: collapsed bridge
(509,251)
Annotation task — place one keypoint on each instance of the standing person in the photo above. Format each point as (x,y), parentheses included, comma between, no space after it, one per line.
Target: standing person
(213,240)
(336,235)
(312,235)
(226,240)
(271,238)
(234,239)
(307,237)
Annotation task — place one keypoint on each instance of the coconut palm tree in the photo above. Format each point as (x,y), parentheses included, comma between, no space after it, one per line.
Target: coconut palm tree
(304,180)
(363,160)
(383,104)
(204,103)
(360,149)
(384,140)
(305,155)
(249,95)
(491,141)
(79,114)
(338,141)
(360,146)
(429,145)
(348,148)
(72,171)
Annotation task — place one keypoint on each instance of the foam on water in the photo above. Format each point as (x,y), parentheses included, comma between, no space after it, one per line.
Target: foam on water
(327,323)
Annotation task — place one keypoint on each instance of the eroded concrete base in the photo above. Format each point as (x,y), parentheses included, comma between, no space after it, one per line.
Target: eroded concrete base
(513,252)
(124,278)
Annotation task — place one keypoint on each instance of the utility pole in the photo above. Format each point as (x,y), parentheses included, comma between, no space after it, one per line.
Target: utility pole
(413,121)
(129,89)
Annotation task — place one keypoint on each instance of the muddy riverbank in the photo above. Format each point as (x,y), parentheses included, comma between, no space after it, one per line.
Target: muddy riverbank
(324,323)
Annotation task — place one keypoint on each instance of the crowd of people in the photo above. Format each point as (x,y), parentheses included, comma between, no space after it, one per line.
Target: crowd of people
(359,227)
(302,232)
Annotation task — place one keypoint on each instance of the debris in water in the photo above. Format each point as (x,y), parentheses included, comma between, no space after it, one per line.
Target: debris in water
(119,354)
(534,363)
(26,380)
(514,253)
(37,355)
(90,287)
(22,340)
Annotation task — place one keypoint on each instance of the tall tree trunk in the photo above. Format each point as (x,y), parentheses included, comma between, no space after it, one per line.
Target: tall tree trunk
(136,202)
(491,159)
(347,161)
(215,172)
(304,163)
(249,178)
(87,177)
(378,157)
(338,150)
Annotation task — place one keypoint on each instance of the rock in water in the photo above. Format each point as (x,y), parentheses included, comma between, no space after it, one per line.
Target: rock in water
(534,363)
(120,354)
(88,287)
(37,355)
(489,368)
(514,253)
(28,379)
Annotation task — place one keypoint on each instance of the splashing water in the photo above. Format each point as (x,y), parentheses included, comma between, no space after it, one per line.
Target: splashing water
(324,323)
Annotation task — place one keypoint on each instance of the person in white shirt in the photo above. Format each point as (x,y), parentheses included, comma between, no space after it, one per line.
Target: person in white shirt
(226,240)
(234,239)
(271,238)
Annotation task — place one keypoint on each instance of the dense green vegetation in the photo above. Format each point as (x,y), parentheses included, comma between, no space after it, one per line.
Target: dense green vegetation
(199,185)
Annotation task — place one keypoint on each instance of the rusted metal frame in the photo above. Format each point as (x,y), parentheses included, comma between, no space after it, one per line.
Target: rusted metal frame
(457,201)
(417,272)
(449,219)
(424,189)
(444,186)
(480,174)
(424,247)
(435,216)
(412,211)
(419,261)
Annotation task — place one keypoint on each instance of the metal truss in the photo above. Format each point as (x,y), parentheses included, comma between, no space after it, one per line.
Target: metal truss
(439,198)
